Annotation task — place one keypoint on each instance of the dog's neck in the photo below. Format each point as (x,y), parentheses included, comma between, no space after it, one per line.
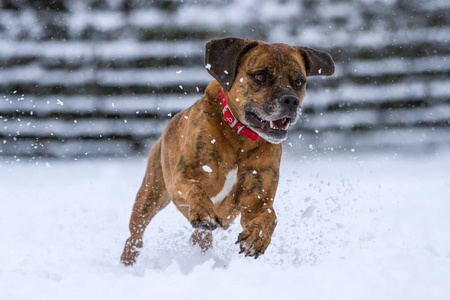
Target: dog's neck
(233,122)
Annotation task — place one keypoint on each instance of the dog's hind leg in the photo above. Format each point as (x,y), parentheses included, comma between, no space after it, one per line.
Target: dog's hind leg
(150,199)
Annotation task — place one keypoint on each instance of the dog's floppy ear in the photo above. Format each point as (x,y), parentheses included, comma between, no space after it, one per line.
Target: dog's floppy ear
(222,58)
(317,62)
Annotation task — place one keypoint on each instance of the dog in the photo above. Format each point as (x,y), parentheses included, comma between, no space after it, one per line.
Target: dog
(220,158)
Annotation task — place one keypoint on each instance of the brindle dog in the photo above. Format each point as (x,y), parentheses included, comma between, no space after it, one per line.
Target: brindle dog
(215,168)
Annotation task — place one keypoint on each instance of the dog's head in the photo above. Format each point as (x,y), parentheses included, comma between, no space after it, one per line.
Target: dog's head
(265,83)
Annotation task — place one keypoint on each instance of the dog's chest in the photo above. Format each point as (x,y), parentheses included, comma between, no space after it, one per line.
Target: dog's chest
(230,181)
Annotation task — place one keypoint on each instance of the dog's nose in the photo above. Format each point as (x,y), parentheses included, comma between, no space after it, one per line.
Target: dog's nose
(290,102)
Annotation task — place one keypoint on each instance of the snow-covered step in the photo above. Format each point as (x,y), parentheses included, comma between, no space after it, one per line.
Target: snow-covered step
(99,128)
(74,148)
(351,95)
(395,66)
(45,106)
(99,50)
(400,139)
(151,77)
(438,115)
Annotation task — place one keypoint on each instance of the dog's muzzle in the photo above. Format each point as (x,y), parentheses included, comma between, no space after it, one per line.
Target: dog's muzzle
(273,127)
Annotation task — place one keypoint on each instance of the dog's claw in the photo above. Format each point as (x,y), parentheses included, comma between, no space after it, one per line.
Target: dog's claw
(196,224)
(252,241)
(240,238)
(205,225)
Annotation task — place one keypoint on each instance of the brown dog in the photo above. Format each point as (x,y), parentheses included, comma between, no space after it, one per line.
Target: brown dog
(220,157)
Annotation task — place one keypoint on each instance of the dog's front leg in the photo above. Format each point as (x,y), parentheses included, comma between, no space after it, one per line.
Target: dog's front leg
(258,216)
(189,189)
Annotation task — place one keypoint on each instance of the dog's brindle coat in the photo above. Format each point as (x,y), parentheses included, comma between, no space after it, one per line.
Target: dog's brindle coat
(264,86)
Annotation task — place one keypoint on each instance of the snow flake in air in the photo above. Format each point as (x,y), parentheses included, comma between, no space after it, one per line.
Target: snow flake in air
(207,169)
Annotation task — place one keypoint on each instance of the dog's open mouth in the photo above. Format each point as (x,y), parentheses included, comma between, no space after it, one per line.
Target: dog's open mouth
(267,125)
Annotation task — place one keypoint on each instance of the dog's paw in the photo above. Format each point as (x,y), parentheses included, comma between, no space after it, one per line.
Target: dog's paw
(253,241)
(204,217)
(131,251)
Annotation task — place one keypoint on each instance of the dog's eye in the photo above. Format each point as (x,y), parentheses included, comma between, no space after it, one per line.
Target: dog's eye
(298,83)
(260,77)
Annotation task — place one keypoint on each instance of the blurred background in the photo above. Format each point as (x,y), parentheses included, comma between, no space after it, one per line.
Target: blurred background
(89,78)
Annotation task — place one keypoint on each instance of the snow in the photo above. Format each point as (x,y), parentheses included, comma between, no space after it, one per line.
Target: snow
(106,50)
(124,77)
(45,105)
(400,66)
(207,169)
(349,227)
(82,128)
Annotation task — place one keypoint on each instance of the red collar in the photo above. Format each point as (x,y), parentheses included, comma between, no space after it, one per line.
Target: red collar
(234,123)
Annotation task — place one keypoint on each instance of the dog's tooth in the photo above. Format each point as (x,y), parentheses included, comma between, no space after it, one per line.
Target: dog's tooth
(287,126)
(271,124)
(284,120)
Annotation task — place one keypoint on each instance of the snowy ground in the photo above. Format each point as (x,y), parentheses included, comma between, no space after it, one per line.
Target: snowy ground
(350,227)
